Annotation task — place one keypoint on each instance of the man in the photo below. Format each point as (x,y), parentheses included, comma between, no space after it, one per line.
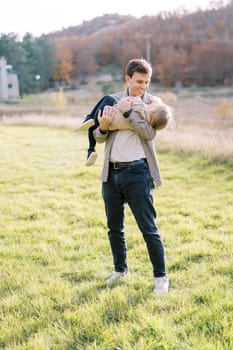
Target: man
(129,172)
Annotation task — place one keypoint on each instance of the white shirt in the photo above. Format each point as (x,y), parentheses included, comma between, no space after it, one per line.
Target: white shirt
(127,147)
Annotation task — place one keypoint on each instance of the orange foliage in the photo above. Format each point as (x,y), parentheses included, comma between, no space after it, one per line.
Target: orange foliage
(186,47)
(63,67)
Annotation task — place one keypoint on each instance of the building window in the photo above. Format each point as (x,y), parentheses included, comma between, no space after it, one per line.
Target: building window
(10,86)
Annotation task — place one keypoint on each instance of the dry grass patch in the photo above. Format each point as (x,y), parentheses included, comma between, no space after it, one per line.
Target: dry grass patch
(201,121)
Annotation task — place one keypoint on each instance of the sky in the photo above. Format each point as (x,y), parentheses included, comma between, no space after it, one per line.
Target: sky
(46,16)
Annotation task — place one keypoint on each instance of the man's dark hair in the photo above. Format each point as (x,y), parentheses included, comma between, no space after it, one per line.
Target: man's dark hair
(139,65)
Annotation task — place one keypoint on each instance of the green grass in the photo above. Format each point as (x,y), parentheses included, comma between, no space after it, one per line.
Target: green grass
(55,254)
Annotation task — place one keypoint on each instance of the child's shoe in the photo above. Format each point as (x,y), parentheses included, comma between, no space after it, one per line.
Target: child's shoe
(86,124)
(92,156)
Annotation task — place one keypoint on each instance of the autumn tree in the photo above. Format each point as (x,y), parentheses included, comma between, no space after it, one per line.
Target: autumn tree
(64,57)
(84,62)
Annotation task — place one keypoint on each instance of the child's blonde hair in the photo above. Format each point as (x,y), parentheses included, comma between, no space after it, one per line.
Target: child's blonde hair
(160,116)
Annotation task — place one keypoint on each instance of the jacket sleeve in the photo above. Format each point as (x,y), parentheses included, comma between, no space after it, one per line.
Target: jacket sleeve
(141,127)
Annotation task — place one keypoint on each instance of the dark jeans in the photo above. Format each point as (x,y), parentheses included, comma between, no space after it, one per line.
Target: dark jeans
(132,185)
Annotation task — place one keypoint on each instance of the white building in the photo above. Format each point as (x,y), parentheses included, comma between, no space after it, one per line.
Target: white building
(9,83)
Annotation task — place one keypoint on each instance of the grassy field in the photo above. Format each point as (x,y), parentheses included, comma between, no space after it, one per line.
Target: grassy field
(55,254)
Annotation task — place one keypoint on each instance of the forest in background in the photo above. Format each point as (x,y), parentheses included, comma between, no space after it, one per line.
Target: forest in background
(186,48)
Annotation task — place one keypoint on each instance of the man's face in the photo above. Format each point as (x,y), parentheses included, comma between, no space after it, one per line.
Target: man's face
(138,84)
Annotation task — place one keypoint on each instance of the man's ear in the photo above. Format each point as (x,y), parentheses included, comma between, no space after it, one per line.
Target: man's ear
(127,78)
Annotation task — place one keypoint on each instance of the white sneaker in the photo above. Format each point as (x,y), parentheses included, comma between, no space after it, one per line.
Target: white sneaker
(161,285)
(86,125)
(116,276)
(91,159)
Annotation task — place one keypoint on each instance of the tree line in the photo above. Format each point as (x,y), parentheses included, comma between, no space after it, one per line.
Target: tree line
(32,59)
(190,48)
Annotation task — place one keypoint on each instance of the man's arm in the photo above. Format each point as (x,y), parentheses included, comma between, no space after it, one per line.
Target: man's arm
(139,125)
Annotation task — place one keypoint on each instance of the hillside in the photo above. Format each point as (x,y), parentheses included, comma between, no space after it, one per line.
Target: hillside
(212,23)
(189,48)
(105,22)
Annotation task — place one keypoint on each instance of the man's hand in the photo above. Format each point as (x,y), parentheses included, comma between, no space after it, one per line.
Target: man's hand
(124,105)
(105,120)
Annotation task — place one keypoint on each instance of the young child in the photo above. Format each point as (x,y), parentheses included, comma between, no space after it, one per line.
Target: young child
(158,114)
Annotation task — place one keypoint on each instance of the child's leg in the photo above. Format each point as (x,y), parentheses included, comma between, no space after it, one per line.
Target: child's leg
(91,119)
(91,153)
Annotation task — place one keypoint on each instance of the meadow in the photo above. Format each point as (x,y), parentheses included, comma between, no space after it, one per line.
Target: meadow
(55,256)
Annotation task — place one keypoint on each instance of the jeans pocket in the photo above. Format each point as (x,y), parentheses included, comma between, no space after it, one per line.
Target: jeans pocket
(139,168)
